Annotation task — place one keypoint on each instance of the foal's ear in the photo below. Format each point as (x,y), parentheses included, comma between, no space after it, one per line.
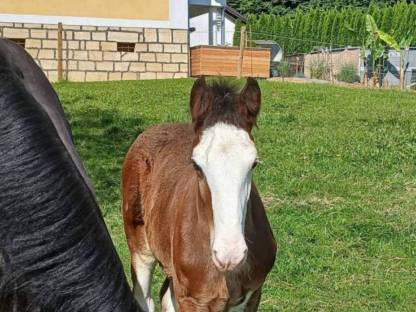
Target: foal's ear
(199,102)
(250,101)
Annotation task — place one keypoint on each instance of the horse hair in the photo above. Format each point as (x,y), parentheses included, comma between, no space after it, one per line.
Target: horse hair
(224,106)
(55,251)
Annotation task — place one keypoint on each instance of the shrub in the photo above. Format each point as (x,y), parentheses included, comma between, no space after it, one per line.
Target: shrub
(283,69)
(319,70)
(348,73)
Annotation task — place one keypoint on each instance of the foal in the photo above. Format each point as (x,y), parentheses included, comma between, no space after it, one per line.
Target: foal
(189,204)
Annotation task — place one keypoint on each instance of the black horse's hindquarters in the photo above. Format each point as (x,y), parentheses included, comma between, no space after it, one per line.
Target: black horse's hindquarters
(55,251)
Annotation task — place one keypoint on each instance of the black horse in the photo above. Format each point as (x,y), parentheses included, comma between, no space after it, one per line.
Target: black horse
(55,251)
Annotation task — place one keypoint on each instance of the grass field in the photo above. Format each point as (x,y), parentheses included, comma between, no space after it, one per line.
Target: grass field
(338,178)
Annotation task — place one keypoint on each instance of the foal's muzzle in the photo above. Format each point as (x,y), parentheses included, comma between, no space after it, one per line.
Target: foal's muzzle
(227,256)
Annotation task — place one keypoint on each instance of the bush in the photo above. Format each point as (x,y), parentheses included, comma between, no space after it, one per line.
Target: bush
(348,73)
(319,70)
(283,69)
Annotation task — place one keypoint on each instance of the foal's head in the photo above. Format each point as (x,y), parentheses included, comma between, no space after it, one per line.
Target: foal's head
(225,154)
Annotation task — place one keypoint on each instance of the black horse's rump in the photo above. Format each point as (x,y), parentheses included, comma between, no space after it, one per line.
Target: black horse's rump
(55,251)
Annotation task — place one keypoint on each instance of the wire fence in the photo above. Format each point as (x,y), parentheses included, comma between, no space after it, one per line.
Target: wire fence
(329,61)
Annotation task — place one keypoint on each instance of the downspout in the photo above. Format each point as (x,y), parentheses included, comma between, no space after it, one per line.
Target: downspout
(210,27)
(214,27)
(189,42)
(223,26)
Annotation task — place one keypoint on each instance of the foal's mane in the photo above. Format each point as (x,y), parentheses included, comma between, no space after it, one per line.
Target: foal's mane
(221,101)
(224,104)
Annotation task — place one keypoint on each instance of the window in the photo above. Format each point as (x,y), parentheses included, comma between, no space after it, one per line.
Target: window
(125,46)
(19,41)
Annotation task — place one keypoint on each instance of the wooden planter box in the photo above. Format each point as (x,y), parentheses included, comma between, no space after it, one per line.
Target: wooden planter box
(224,61)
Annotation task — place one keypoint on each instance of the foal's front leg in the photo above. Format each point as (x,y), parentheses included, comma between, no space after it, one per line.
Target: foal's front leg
(142,259)
(188,304)
(143,264)
(210,299)
(167,298)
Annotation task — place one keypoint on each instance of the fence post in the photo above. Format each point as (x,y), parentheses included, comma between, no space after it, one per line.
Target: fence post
(60,67)
(402,68)
(331,72)
(242,46)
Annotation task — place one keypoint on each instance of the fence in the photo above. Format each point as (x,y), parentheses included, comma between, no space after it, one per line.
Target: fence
(335,62)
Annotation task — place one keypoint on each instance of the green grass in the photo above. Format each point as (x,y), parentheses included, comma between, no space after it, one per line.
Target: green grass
(338,177)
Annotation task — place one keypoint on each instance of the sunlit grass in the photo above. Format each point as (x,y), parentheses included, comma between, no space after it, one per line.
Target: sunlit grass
(338,177)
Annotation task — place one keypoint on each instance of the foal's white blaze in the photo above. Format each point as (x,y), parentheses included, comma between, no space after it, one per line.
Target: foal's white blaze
(226,155)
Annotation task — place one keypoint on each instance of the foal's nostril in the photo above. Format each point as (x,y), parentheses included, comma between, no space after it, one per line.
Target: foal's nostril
(216,260)
(245,254)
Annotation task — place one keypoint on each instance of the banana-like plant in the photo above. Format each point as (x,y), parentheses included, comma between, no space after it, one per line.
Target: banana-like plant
(377,48)
(403,48)
(375,43)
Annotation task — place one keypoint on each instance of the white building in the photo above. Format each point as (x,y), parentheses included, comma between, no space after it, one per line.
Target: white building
(212,22)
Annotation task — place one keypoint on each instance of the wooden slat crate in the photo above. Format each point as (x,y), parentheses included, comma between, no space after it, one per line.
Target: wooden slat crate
(223,61)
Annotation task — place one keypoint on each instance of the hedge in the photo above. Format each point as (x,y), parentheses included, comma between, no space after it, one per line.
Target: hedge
(301,32)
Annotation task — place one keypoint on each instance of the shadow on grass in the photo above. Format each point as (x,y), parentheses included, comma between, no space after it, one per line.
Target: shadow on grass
(103,137)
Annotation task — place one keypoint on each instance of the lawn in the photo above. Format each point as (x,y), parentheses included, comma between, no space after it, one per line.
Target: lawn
(338,177)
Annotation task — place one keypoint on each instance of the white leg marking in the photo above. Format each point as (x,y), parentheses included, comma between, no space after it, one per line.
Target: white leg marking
(242,306)
(143,265)
(168,300)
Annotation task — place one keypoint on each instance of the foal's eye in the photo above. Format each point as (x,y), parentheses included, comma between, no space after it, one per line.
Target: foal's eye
(198,169)
(255,164)
(196,166)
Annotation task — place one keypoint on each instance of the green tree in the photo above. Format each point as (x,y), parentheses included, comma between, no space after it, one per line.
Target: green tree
(302,31)
(281,7)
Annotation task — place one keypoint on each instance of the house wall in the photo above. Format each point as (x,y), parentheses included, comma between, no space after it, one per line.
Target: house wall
(171,14)
(207,23)
(128,9)
(90,52)
(217,3)
(92,28)
(203,19)
(229,30)
(200,20)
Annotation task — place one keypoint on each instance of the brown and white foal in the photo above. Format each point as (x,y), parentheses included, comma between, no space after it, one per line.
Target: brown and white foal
(189,204)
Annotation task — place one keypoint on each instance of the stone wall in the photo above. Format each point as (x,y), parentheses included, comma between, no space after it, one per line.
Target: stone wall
(90,53)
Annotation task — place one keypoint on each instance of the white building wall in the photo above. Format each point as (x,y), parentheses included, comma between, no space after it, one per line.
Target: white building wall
(229,30)
(201,34)
(216,26)
(178,19)
(217,3)
(208,27)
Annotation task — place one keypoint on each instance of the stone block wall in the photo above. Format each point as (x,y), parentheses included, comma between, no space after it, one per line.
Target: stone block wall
(90,53)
